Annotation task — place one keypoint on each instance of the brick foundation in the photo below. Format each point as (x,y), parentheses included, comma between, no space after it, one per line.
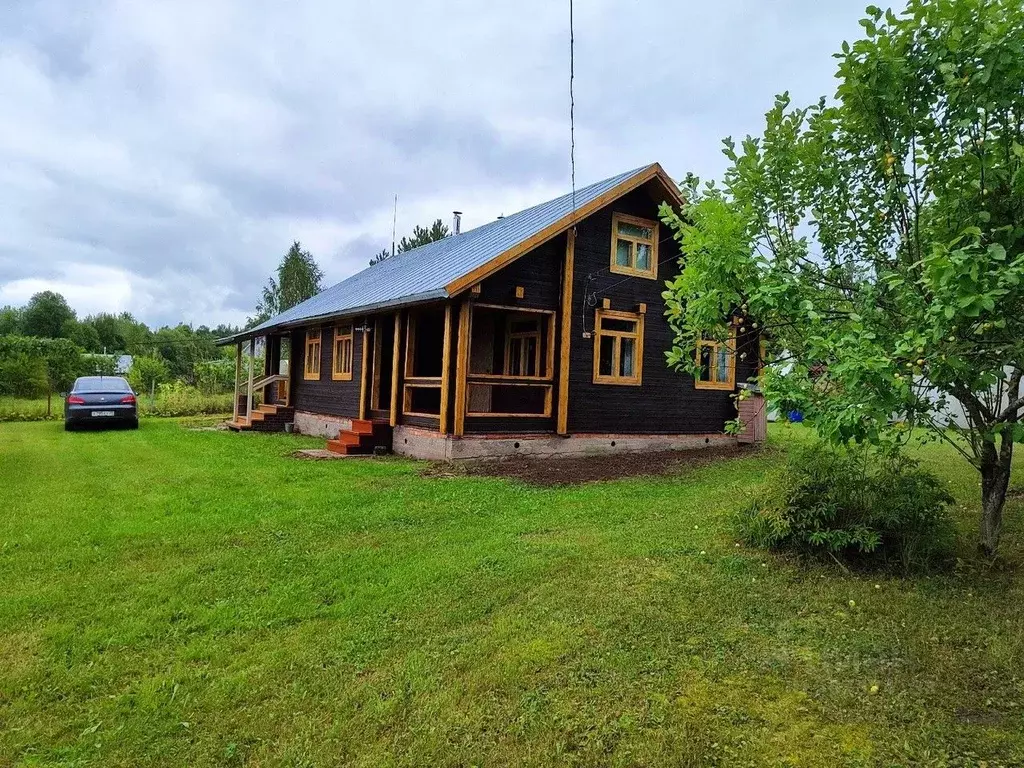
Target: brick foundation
(320,424)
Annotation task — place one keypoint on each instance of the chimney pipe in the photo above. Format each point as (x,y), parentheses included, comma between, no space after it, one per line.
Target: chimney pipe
(457,222)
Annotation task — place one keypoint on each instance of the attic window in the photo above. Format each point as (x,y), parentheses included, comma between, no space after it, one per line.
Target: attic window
(634,246)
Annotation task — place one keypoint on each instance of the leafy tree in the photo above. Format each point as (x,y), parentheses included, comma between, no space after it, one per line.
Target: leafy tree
(146,373)
(879,239)
(182,347)
(420,236)
(63,361)
(215,376)
(136,334)
(99,365)
(10,320)
(223,331)
(109,329)
(298,278)
(22,370)
(84,334)
(47,316)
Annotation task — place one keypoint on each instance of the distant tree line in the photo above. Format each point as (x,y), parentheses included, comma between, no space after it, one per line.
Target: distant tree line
(44,346)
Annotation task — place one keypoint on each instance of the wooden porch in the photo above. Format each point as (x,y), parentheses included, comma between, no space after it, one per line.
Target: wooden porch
(272,389)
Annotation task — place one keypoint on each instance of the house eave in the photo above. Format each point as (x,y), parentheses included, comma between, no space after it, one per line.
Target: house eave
(363,309)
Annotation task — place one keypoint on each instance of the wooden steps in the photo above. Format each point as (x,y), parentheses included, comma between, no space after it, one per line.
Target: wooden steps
(266,418)
(362,438)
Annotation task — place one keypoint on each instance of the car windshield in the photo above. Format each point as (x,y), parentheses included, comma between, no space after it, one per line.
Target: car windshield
(102,384)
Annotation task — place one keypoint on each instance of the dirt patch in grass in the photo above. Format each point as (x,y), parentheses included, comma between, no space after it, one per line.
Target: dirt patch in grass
(555,471)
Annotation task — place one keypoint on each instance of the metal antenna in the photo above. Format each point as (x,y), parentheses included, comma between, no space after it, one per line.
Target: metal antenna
(394,225)
(572,110)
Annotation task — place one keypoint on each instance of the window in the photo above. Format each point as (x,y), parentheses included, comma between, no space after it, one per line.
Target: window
(311,370)
(634,246)
(522,353)
(717,363)
(342,366)
(618,347)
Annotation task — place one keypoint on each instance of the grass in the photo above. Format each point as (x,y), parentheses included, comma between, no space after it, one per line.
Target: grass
(179,597)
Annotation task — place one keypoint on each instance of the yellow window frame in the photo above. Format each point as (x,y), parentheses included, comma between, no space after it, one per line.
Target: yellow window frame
(651,273)
(715,345)
(524,337)
(311,363)
(602,314)
(341,364)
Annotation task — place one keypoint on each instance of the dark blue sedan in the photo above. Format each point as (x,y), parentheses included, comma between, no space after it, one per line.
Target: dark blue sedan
(100,401)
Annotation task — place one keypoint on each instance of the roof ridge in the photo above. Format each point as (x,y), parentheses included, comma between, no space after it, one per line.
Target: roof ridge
(492,222)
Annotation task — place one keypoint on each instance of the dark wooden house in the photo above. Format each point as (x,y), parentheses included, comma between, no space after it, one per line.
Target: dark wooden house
(542,332)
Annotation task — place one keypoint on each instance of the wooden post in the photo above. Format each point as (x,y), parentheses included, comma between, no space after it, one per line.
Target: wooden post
(445,366)
(248,399)
(363,373)
(238,378)
(566,335)
(397,349)
(461,369)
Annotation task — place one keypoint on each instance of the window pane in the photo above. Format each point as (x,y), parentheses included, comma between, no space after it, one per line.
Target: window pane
(627,353)
(643,257)
(623,253)
(612,324)
(632,230)
(724,358)
(531,359)
(524,326)
(705,352)
(607,350)
(515,353)
(346,356)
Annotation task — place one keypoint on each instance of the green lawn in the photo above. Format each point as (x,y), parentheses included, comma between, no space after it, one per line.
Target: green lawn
(177,597)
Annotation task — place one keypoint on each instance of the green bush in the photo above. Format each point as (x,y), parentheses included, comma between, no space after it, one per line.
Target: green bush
(21,374)
(215,376)
(855,505)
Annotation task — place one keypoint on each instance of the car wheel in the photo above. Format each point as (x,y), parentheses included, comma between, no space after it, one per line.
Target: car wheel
(68,427)
(134,424)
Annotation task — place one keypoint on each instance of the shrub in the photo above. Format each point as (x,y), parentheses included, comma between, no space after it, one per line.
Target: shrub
(215,376)
(853,504)
(147,372)
(22,374)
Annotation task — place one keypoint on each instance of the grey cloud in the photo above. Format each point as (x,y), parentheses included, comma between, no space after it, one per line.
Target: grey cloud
(187,144)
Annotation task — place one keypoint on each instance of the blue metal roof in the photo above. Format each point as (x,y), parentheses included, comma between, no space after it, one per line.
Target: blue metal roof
(422,273)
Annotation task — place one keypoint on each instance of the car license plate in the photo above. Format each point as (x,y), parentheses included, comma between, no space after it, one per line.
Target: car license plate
(102,413)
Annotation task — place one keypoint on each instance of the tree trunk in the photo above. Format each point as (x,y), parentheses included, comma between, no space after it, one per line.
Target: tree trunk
(49,394)
(995,477)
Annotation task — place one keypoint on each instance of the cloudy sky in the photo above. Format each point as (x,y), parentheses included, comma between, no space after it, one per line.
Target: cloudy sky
(160,157)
